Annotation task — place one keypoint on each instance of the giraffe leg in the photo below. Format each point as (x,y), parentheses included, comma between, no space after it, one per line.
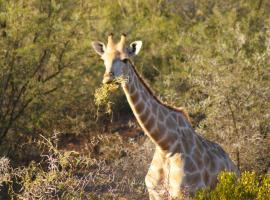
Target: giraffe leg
(175,176)
(154,177)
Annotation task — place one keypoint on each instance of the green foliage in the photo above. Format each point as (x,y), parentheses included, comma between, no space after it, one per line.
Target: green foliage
(248,187)
(44,46)
(221,76)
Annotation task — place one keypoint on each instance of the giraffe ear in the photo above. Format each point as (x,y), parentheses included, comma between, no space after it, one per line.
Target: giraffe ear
(99,47)
(134,48)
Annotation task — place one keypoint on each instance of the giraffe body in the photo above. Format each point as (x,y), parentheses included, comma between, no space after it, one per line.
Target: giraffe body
(183,161)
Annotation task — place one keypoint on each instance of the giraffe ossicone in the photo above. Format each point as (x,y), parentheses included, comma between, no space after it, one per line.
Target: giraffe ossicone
(183,161)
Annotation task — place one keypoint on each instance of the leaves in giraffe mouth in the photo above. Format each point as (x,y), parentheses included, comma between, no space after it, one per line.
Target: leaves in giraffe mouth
(102,95)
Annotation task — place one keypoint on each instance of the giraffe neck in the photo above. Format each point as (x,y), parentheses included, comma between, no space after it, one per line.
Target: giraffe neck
(159,122)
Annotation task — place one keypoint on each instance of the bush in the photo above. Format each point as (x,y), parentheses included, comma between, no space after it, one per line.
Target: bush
(104,171)
(58,175)
(248,186)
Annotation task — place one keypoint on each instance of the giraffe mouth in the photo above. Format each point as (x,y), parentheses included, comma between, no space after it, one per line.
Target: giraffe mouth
(117,80)
(107,80)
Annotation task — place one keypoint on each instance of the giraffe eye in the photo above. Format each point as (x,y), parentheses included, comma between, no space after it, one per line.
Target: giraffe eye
(111,73)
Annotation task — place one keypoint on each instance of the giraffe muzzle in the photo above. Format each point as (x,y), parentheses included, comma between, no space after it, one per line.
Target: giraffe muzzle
(107,78)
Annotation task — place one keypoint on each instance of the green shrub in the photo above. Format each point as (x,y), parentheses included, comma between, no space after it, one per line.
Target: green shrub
(248,186)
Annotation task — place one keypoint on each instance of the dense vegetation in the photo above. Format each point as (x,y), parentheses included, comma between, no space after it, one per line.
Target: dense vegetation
(211,57)
(248,186)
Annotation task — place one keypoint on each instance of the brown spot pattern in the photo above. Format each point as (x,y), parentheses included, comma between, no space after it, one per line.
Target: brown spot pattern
(212,164)
(166,142)
(187,147)
(188,135)
(136,82)
(213,181)
(205,144)
(174,116)
(206,159)
(164,111)
(199,144)
(180,121)
(221,167)
(197,157)
(170,122)
(205,177)
(139,86)
(189,166)
(157,134)
(135,97)
(154,108)
(140,107)
(144,96)
(179,148)
(160,115)
(150,123)
(193,179)
(131,88)
(144,116)
(155,111)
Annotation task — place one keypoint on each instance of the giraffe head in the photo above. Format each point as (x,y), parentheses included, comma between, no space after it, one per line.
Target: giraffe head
(115,56)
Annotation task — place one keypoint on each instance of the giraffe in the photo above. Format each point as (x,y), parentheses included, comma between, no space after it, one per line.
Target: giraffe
(183,160)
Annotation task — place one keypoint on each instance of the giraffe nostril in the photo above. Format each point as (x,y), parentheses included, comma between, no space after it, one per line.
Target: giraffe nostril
(111,73)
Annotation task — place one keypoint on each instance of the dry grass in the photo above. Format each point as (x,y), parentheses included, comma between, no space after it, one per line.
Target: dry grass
(117,169)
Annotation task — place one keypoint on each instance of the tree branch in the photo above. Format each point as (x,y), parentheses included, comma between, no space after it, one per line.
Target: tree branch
(60,66)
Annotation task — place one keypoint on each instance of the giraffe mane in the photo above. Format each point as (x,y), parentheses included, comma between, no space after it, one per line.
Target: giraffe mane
(180,109)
